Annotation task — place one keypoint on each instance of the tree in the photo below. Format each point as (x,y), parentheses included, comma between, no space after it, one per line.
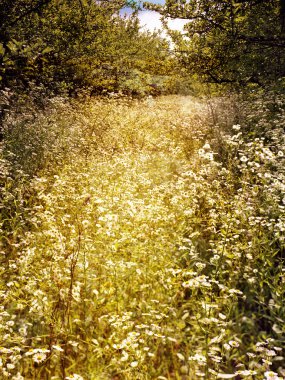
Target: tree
(40,38)
(230,41)
(70,44)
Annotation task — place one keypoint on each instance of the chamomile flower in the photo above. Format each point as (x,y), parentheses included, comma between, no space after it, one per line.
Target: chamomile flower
(270,375)
(39,357)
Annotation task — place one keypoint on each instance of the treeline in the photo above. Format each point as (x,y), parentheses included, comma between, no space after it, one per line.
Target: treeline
(238,42)
(66,45)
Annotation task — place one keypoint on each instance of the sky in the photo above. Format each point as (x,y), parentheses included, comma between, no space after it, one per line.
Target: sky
(151,20)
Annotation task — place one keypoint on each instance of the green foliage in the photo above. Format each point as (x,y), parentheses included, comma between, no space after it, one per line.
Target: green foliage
(68,45)
(230,41)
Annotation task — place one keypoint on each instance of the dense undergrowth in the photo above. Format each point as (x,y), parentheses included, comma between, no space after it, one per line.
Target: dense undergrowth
(143,240)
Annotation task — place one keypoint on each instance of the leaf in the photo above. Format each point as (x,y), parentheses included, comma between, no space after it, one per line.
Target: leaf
(277,329)
(12,46)
(185,316)
(47,50)
(2,49)
(180,356)
(181,325)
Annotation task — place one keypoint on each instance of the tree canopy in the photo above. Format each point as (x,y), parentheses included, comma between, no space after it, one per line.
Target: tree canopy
(229,41)
(69,44)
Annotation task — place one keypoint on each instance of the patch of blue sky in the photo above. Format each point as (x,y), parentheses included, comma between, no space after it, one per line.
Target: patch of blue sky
(128,10)
(151,20)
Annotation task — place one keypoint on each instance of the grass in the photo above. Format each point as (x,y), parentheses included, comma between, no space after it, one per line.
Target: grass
(141,241)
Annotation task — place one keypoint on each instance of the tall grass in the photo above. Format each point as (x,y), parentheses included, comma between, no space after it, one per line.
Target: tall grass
(143,240)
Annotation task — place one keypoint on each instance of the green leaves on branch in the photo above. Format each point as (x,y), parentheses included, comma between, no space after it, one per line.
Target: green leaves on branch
(74,44)
(230,41)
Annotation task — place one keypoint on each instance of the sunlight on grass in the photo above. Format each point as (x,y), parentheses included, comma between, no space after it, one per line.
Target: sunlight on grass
(136,249)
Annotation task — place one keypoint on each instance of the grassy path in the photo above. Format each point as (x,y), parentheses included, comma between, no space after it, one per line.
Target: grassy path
(113,225)
(137,249)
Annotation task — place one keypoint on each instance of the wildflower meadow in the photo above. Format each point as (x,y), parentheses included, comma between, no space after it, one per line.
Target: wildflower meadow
(143,239)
